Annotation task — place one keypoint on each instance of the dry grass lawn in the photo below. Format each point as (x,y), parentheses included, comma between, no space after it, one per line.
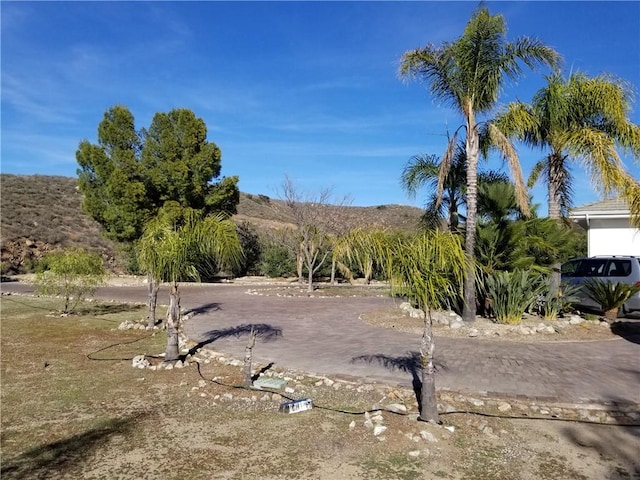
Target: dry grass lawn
(68,416)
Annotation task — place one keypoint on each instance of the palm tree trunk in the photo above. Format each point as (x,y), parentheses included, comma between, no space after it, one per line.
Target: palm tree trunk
(555,172)
(152,301)
(428,400)
(473,148)
(173,323)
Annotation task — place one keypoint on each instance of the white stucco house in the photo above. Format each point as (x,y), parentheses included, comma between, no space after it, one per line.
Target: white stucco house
(609,229)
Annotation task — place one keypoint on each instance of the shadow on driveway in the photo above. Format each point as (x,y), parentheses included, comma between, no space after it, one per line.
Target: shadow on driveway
(409,363)
(627,329)
(264,331)
(206,308)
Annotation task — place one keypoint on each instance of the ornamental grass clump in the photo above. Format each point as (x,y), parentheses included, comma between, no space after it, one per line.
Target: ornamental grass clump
(609,295)
(512,293)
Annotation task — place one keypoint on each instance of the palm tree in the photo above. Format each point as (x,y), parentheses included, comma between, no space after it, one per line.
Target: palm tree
(361,248)
(582,119)
(429,269)
(175,244)
(423,170)
(468,74)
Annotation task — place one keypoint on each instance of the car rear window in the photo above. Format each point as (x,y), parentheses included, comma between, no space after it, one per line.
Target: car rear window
(598,267)
(619,268)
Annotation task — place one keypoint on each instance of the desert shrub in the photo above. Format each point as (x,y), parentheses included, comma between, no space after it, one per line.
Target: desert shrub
(512,293)
(72,274)
(277,261)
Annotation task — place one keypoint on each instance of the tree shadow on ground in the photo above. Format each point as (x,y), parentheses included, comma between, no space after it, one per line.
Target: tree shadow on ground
(263,331)
(206,308)
(409,363)
(56,459)
(107,308)
(618,445)
(627,329)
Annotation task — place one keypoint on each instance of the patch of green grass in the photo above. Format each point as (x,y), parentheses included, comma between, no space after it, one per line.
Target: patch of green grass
(396,466)
(483,461)
(552,467)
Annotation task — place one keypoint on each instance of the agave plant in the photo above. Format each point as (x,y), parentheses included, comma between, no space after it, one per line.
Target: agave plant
(609,295)
(512,293)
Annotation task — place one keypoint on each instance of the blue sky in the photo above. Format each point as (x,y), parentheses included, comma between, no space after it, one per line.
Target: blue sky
(306,89)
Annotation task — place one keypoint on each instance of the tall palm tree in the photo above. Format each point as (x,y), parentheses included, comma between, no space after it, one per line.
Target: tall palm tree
(424,170)
(174,245)
(468,74)
(579,119)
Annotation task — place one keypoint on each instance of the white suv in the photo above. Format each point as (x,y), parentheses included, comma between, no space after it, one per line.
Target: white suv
(621,269)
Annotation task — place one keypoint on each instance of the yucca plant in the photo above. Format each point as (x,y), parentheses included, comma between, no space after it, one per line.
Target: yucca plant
(512,293)
(609,295)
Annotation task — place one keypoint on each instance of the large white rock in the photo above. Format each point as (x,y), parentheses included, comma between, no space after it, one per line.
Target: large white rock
(397,408)
(378,430)
(428,436)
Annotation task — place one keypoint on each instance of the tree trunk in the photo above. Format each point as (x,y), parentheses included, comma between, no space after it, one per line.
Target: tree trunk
(428,400)
(310,280)
(368,271)
(173,323)
(248,358)
(152,301)
(333,272)
(555,174)
(299,265)
(453,214)
(473,148)
(611,315)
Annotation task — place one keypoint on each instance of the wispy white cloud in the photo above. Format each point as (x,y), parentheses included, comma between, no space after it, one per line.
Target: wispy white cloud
(39,153)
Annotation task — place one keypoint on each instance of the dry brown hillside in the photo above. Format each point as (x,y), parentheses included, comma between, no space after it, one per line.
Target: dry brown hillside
(40,213)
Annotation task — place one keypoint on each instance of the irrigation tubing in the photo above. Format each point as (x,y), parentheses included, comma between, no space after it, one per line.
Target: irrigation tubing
(360,412)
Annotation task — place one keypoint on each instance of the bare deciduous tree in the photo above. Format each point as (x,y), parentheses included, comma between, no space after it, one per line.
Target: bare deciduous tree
(317,221)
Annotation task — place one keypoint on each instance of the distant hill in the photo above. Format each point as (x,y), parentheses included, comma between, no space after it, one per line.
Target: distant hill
(40,213)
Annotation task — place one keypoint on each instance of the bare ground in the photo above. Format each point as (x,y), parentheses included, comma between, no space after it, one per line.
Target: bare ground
(72,410)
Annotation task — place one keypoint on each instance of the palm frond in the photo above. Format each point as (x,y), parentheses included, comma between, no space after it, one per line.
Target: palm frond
(540,168)
(509,154)
(445,164)
(420,171)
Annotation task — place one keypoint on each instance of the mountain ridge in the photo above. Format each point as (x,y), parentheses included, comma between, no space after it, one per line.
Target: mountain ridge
(41,213)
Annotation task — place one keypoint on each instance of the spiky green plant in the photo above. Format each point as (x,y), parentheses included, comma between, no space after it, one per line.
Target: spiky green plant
(512,293)
(556,301)
(609,295)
